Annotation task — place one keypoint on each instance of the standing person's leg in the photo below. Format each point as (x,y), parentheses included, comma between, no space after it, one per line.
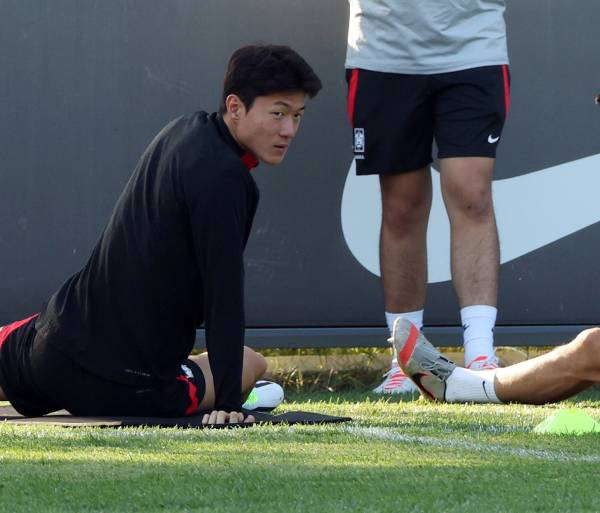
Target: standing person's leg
(471,108)
(253,369)
(392,119)
(475,252)
(406,202)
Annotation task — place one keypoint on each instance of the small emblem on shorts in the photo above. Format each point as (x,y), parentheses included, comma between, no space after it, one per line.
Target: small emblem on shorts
(188,371)
(492,139)
(359,140)
(138,373)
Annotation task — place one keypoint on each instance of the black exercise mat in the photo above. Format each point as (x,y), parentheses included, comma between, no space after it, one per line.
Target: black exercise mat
(62,418)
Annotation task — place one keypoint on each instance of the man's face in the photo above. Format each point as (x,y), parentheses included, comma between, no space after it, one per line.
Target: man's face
(267,129)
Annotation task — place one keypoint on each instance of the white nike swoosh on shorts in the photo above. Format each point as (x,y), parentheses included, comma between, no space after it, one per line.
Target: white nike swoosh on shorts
(532,210)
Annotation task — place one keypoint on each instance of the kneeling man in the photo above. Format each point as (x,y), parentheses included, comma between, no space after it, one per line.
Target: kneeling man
(115,338)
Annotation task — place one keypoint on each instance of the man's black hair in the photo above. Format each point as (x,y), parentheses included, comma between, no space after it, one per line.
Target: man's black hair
(261,70)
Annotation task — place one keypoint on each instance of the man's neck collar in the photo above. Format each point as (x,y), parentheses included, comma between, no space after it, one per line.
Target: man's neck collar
(248,158)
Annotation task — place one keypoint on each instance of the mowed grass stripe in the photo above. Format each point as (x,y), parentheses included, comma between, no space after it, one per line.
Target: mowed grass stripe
(462,445)
(426,457)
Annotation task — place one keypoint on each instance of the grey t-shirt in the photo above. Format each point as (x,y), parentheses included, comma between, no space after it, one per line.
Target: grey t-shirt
(426,36)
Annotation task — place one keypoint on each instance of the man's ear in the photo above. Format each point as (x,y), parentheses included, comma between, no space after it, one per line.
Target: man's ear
(235,106)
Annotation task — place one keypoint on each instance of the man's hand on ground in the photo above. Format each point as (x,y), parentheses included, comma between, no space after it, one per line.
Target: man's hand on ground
(222,417)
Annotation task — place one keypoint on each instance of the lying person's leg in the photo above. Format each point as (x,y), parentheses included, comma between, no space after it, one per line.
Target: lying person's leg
(551,377)
(554,376)
(254,367)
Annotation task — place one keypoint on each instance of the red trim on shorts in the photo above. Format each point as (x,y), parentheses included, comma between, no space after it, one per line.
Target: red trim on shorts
(353,86)
(5,331)
(506,90)
(193,393)
(409,347)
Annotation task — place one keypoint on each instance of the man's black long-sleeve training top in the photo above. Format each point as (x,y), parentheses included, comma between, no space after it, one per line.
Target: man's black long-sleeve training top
(170,259)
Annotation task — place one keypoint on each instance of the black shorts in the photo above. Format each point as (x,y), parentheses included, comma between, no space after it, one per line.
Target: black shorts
(395,117)
(38,379)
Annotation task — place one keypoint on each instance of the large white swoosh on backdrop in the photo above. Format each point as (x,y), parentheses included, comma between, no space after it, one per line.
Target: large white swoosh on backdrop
(532,211)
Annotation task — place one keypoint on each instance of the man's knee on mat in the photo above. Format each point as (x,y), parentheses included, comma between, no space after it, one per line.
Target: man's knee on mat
(255,361)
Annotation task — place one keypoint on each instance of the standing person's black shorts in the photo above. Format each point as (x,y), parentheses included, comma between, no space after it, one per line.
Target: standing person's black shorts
(396,117)
(38,379)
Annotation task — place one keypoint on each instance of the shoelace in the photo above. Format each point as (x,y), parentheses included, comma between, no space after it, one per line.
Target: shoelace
(393,370)
(491,363)
(487,366)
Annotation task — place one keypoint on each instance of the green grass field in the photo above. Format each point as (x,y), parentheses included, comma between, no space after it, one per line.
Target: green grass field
(396,456)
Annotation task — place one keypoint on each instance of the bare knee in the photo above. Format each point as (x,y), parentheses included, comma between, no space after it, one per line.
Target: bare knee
(406,214)
(469,201)
(406,201)
(467,188)
(256,361)
(587,346)
(582,355)
(403,214)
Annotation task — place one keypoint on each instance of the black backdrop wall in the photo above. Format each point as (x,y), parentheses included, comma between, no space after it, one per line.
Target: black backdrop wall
(86,84)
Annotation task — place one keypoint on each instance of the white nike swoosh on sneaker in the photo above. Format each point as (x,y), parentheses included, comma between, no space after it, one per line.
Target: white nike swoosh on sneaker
(532,210)
(493,140)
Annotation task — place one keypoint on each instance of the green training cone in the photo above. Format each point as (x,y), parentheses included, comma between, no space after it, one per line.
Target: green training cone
(568,422)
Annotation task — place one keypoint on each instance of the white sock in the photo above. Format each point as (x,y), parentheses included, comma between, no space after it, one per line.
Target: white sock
(415,317)
(478,324)
(467,386)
